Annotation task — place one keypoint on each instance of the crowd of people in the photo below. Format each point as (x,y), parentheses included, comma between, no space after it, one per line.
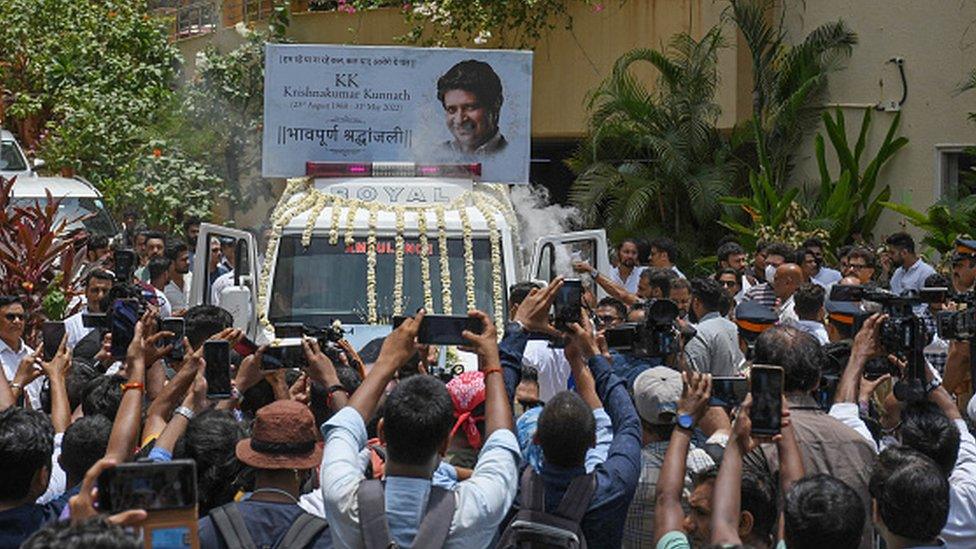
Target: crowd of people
(562,437)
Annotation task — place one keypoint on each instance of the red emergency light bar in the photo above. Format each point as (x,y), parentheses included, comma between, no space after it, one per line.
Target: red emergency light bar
(391,169)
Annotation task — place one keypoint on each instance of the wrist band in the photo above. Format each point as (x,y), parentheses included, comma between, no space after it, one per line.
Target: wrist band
(334,388)
(494,370)
(185,412)
(132,385)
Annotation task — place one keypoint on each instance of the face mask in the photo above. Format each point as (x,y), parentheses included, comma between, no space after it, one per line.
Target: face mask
(770,273)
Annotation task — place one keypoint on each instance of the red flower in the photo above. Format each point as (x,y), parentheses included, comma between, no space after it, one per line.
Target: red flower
(27,285)
(157,152)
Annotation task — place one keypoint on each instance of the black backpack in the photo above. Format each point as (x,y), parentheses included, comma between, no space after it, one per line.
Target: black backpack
(534,528)
(434,527)
(230,526)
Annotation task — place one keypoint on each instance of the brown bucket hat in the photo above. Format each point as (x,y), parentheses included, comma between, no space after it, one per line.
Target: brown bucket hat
(283,436)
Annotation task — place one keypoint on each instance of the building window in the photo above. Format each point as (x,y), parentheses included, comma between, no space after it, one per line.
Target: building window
(956,170)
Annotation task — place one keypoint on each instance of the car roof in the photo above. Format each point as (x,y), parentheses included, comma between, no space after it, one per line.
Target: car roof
(5,135)
(31,187)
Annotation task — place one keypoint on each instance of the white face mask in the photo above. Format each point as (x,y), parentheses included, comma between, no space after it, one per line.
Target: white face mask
(770,273)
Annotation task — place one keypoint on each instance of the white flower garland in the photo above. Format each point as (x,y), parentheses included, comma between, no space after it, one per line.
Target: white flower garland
(425,260)
(398,264)
(488,199)
(468,259)
(446,305)
(371,316)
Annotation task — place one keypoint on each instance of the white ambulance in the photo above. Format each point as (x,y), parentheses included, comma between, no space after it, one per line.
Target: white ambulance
(360,243)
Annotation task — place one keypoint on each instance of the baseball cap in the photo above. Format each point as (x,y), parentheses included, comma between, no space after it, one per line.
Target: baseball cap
(656,394)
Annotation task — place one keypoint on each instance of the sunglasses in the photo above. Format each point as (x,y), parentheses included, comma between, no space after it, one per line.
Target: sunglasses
(13,317)
(727,283)
(606,319)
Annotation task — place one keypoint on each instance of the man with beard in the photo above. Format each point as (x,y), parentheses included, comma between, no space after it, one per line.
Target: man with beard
(625,275)
(964,265)
(471,94)
(178,288)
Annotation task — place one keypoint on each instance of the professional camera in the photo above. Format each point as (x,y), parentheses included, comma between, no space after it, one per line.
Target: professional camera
(902,334)
(959,325)
(655,337)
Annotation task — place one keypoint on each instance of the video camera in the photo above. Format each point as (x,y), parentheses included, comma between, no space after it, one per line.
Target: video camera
(655,337)
(959,325)
(902,334)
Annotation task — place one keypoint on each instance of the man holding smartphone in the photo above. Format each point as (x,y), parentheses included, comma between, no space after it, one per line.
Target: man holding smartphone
(97,285)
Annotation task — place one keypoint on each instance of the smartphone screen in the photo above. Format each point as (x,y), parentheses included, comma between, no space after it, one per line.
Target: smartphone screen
(94,320)
(446,329)
(175,325)
(767,399)
(568,303)
(125,265)
(52,332)
(289,329)
(728,392)
(125,314)
(291,354)
(149,486)
(216,353)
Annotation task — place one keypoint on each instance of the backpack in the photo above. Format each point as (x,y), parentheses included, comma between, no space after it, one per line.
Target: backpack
(534,528)
(434,527)
(230,526)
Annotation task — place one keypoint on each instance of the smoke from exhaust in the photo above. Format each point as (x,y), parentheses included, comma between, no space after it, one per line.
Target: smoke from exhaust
(538,217)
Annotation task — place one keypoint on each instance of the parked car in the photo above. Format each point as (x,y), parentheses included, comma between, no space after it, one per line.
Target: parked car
(13,162)
(78,198)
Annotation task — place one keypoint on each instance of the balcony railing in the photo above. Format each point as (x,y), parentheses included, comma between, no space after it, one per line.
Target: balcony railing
(195,17)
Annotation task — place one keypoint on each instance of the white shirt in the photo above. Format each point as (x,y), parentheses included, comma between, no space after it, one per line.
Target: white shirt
(74,326)
(814,328)
(553,368)
(10,359)
(165,310)
(59,479)
(677,272)
(786,312)
(826,276)
(960,528)
(223,281)
(632,281)
(481,501)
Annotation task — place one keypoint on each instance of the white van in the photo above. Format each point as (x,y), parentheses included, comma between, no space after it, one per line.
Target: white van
(318,267)
(78,199)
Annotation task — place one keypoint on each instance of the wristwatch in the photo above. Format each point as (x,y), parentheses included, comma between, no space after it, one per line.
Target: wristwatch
(515,326)
(685,421)
(932,385)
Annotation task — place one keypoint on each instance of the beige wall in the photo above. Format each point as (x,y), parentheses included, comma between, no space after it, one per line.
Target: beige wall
(939,49)
(568,64)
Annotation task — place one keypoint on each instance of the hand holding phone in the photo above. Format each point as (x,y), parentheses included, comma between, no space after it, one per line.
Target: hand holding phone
(728,392)
(149,486)
(447,329)
(766,388)
(568,304)
(177,326)
(216,354)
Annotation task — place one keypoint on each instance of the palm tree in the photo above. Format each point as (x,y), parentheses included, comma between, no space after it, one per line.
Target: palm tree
(789,80)
(654,159)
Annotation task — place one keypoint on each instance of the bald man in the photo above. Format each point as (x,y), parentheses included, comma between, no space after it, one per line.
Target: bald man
(789,277)
(850,281)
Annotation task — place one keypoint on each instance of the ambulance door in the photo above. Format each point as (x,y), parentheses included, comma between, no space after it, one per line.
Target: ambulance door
(225,273)
(554,255)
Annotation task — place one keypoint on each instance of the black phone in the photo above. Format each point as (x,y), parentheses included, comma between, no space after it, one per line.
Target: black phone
(125,314)
(216,353)
(446,329)
(567,308)
(766,383)
(728,392)
(52,332)
(125,265)
(290,354)
(95,320)
(176,325)
(150,486)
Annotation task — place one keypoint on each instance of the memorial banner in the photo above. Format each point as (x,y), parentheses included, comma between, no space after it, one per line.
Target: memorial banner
(397,104)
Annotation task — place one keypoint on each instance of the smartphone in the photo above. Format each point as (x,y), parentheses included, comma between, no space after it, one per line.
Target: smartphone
(125,314)
(125,265)
(728,392)
(289,354)
(245,347)
(176,325)
(568,304)
(216,353)
(446,329)
(766,384)
(52,332)
(95,320)
(150,486)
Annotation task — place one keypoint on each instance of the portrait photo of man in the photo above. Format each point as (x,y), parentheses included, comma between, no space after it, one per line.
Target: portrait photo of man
(471,94)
